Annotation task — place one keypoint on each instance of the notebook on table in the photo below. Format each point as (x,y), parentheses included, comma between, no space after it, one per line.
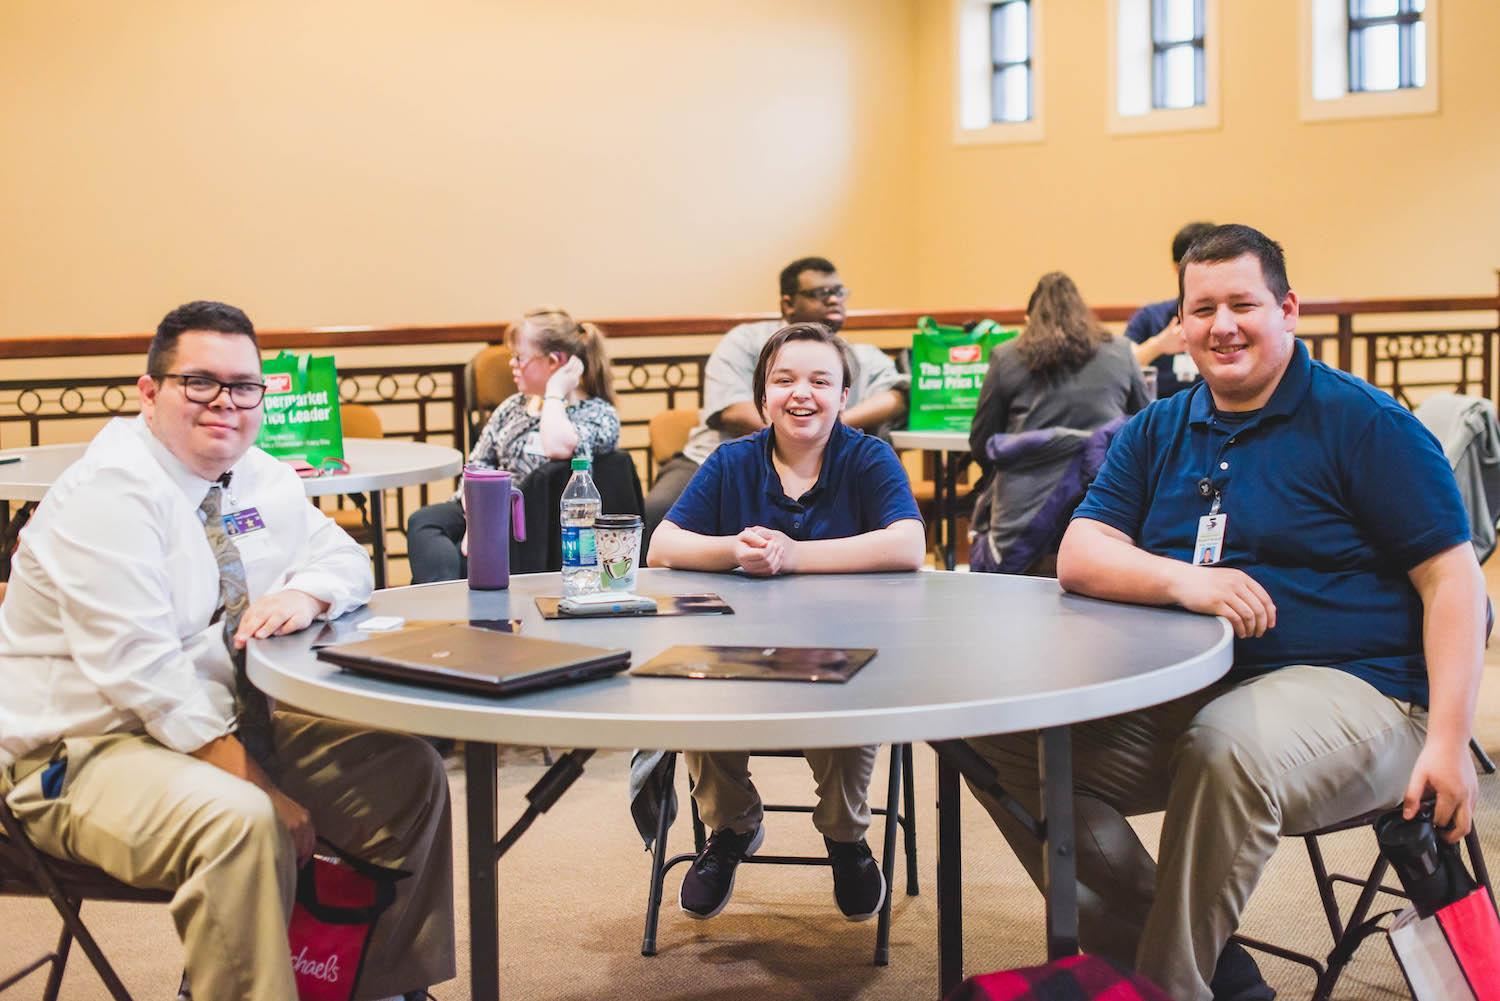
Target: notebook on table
(757,663)
(471,659)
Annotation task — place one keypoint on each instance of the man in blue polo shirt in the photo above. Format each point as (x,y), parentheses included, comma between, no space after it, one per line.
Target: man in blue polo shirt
(1323,522)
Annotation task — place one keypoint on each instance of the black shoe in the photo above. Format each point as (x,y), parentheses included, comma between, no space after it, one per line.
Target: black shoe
(1237,978)
(858,883)
(710,881)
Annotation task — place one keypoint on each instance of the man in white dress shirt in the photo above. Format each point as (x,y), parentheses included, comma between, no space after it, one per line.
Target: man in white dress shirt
(129,737)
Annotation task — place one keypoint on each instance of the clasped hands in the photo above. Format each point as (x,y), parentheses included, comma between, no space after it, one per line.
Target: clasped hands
(765,552)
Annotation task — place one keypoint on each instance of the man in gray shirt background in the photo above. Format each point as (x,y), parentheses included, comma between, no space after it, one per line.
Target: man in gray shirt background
(811,292)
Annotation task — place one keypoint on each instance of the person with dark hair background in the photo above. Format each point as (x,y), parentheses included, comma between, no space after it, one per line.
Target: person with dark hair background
(810,292)
(1156,332)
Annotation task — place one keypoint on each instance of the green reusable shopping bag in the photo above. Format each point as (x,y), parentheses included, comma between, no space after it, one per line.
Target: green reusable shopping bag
(302,408)
(947,369)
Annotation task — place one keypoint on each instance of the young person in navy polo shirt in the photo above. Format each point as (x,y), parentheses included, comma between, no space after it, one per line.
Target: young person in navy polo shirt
(805,495)
(1323,522)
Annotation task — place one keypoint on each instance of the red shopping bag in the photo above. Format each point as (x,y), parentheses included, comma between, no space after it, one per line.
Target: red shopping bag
(1075,978)
(339,899)
(1473,931)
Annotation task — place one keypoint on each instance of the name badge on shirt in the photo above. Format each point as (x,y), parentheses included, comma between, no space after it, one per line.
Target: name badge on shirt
(532,443)
(243,522)
(1208,549)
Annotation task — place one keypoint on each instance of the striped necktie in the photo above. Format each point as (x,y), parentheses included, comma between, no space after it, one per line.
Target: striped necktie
(252,712)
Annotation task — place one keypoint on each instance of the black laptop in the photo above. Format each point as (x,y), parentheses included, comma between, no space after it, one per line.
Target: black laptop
(471,659)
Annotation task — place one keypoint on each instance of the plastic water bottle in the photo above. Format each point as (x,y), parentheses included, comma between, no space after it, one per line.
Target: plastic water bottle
(580,556)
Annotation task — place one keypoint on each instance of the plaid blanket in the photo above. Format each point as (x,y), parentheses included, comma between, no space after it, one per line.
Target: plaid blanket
(1076,978)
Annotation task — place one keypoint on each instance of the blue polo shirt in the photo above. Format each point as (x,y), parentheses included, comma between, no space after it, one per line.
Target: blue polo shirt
(1333,492)
(1147,322)
(861,487)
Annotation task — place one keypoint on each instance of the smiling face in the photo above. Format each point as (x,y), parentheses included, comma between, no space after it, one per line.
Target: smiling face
(1239,335)
(208,438)
(804,391)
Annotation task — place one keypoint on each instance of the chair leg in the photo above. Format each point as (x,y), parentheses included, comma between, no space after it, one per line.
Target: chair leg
(888,857)
(1354,931)
(658,865)
(909,815)
(66,908)
(59,963)
(1325,888)
(1486,764)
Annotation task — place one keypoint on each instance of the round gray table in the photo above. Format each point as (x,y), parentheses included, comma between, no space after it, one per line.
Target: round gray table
(960,655)
(375,465)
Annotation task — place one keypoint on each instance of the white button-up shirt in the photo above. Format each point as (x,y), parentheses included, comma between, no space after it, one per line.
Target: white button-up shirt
(107,627)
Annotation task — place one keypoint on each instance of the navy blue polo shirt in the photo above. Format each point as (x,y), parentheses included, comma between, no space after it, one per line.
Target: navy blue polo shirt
(1333,493)
(1147,322)
(861,487)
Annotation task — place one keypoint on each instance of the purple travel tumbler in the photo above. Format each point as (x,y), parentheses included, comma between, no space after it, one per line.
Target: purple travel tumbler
(494,508)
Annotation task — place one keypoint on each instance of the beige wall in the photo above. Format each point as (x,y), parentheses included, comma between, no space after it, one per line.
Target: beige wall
(375,161)
(1375,207)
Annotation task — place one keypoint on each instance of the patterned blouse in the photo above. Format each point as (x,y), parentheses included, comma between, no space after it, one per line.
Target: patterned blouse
(512,437)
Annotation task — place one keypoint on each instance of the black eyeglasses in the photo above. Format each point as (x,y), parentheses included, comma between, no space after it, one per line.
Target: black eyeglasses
(206,389)
(827,293)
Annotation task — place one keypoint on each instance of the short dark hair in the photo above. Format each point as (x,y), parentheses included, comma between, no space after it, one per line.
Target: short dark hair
(200,314)
(1185,237)
(1225,243)
(819,332)
(790,273)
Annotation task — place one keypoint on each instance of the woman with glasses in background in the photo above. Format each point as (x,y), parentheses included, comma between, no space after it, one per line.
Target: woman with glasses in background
(565,407)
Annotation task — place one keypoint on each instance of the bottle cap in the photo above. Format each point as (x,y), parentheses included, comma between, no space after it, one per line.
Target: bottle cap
(579,462)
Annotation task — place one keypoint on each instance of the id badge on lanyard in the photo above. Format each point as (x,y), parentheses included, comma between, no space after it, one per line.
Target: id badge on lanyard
(1208,547)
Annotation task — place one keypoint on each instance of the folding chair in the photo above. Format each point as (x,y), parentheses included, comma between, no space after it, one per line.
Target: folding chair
(900,787)
(25,871)
(1360,925)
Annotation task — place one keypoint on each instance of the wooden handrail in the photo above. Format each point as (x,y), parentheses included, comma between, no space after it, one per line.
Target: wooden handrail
(82,345)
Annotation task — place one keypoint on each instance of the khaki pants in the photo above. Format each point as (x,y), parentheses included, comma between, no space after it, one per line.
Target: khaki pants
(727,798)
(1234,767)
(153,817)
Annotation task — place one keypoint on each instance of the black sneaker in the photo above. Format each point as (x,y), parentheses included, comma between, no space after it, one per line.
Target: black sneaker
(858,883)
(1237,978)
(710,881)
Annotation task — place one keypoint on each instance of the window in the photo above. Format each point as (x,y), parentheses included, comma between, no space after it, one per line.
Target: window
(1364,58)
(999,46)
(1387,50)
(1010,57)
(1164,65)
(1177,58)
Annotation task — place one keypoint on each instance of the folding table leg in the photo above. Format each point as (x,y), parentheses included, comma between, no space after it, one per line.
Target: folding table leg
(1059,859)
(949,880)
(377,528)
(484,902)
